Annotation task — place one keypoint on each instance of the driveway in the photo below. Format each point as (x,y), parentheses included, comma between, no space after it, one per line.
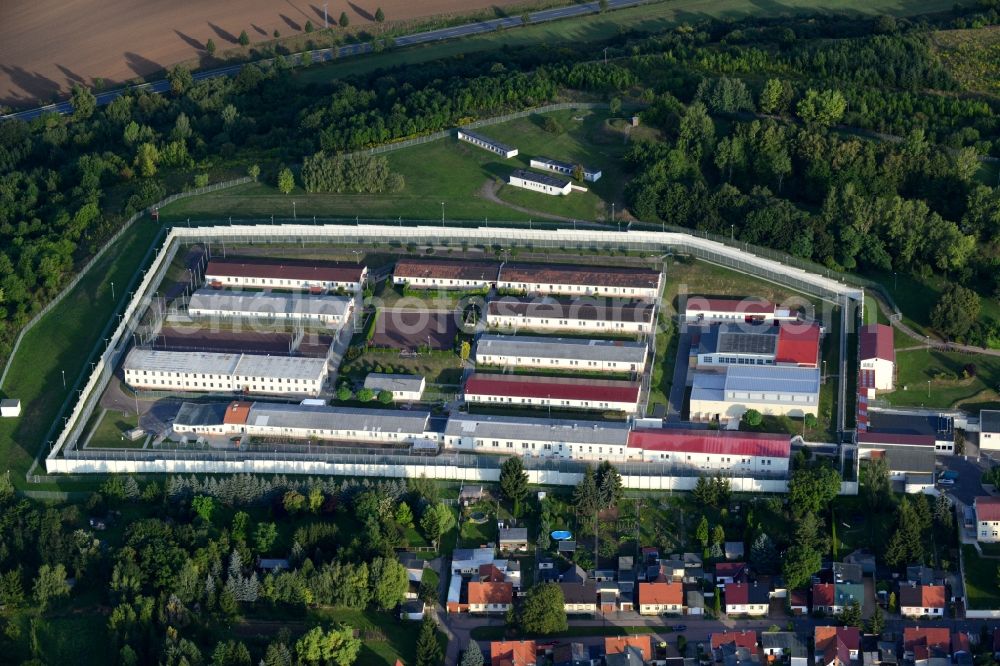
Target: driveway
(675,401)
(967,486)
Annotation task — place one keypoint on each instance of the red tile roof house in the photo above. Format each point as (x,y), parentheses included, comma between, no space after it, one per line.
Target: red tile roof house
(513,653)
(833,598)
(878,355)
(619,645)
(657,598)
(558,392)
(490,597)
(730,572)
(741,639)
(836,646)
(747,599)
(922,601)
(923,643)
(987,519)
(798,602)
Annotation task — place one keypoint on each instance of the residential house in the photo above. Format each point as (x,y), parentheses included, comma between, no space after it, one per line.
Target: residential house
(926,645)
(730,572)
(747,599)
(412,610)
(844,572)
(468,560)
(785,646)
(987,519)
(922,601)
(513,653)
(919,574)
(618,645)
(626,595)
(663,597)
(798,602)
(490,597)
(630,657)
(833,598)
(863,559)
(414,573)
(740,640)
(836,646)
(470,495)
(695,602)
(513,539)
(579,593)
(571,654)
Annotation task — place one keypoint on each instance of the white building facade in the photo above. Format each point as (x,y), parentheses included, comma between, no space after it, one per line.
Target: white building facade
(560,353)
(559,392)
(275,275)
(699,309)
(565,168)
(404,388)
(542,438)
(441,274)
(877,355)
(617,282)
(509,313)
(540,182)
(486,143)
(332,311)
(771,390)
(989,429)
(210,372)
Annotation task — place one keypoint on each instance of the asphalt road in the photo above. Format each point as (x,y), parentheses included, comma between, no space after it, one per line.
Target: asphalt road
(326,55)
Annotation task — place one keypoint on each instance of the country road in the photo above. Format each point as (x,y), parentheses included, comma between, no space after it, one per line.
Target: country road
(326,55)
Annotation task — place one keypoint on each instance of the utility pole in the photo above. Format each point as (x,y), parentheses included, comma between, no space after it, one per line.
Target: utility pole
(326,22)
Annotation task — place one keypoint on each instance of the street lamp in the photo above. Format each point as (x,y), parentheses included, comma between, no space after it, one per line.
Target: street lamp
(442,213)
(112,290)
(64,379)
(294,216)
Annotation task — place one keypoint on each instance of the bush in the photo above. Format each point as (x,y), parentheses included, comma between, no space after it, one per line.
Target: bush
(366,394)
(385,397)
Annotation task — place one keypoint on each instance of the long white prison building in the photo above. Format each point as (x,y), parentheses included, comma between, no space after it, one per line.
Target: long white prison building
(580,280)
(528,351)
(317,277)
(211,372)
(333,311)
(547,314)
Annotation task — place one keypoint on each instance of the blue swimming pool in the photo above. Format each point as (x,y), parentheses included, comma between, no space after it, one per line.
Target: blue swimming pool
(561,535)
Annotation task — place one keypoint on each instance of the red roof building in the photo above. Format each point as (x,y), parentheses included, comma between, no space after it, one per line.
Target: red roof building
(731,571)
(237,413)
(490,594)
(270,270)
(711,442)
(926,642)
(987,509)
(875,438)
(558,391)
(741,639)
(618,645)
(823,595)
(661,594)
(836,645)
(876,341)
(922,599)
(513,653)
(798,344)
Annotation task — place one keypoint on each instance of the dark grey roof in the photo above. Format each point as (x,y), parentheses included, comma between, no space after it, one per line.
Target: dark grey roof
(201,414)
(542,178)
(989,420)
(585,309)
(844,572)
(787,641)
(942,427)
(580,593)
(621,351)
(515,534)
(902,458)
(485,139)
(280,415)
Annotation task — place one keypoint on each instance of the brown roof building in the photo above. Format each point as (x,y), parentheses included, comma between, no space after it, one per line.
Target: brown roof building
(442,272)
(567,279)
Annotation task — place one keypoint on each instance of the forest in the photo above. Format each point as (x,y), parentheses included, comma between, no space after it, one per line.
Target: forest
(844,140)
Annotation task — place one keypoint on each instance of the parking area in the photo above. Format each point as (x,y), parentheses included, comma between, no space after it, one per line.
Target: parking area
(968,483)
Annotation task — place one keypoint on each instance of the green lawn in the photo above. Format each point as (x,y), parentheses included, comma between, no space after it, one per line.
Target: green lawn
(460,174)
(110,430)
(474,535)
(63,340)
(981,587)
(915,368)
(437,368)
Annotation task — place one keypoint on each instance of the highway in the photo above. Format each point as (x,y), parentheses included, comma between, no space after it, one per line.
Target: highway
(326,55)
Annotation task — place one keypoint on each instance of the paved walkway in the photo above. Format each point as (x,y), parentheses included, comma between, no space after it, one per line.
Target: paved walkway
(489,192)
(928,341)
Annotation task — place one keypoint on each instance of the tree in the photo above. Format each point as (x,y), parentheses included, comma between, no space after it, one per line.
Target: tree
(717,603)
(365,394)
(892,603)
(609,485)
(389,582)
(286,181)
(811,489)
(180,79)
(944,516)
(473,655)
(805,556)
(703,491)
(586,497)
(147,157)
(344,393)
(702,531)
(379,15)
(264,536)
(293,501)
(764,554)
(602,5)
(385,397)
(404,515)
(50,584)
(543,611)
(437,520)
(464,351)
(230,653)
(514,482)
(753,418)
(210,47)
(851,615)
(244,39)
(203,506)
(253,171)
(11,588)
(6,488)
(241,523)
(774,97)
(84,103)
(344,21)
(957,309)
(309,26)
(615,105)
(876,623)
(335,646)
(877,486)
(428,647)
(822,109)
(718,535)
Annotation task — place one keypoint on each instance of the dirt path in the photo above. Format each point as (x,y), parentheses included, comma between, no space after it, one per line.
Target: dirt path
(927,341)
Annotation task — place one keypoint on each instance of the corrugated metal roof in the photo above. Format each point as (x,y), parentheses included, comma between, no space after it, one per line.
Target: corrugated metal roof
(749,306)
(798,343)
(208,363)
(385,382)
(719,442)
(314,417)
(772,379)
(285,367)
(555,388)
(542,178)
(269,303)
(539,430)
(561,348)
(987,508)
(201,414)
(485,139)
(311,272)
